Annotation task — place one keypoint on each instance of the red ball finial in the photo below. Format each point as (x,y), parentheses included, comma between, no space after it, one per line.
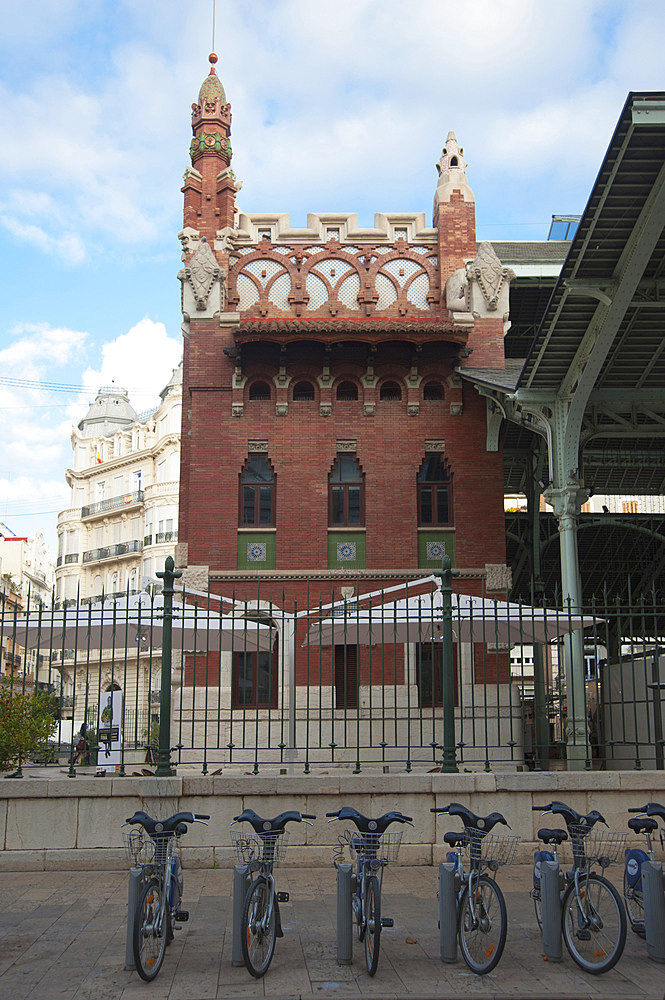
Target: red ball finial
(212,58)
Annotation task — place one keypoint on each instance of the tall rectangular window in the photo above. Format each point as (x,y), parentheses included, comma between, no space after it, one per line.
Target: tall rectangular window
(254,682)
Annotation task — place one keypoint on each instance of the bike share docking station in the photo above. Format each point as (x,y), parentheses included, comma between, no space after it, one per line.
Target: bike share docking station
(344,914)
(550,901)
(241,882)
(133,893)
(653,889)
(448,911)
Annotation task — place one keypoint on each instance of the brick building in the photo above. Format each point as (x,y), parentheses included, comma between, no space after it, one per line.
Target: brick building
(329,445)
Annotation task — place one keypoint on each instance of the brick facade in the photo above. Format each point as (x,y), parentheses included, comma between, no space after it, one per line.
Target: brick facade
(287,317)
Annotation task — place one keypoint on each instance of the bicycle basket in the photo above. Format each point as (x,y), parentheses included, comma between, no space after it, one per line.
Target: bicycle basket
(142,849)
(139,847)
(259,847)
(493,849)
(596,846)
(374,846)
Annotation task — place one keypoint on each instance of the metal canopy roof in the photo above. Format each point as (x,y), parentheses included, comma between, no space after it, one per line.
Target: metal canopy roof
(594,338)
(601,322)
(622,557)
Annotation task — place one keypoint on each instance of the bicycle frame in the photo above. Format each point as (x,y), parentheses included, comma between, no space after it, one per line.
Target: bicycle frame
(466,878)
(366,867)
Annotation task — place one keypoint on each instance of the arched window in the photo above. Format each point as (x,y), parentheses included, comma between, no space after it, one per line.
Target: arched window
(346,491)
(435,505)
(259,391)
(257,493)
(303,391)
(347,391)
(433,390)
(390,391)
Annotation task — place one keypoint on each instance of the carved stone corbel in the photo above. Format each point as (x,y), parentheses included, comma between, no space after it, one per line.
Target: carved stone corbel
(201,273)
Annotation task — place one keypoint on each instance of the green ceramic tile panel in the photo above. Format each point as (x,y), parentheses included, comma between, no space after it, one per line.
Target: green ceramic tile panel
(346,550)
(430,539)
(256,550)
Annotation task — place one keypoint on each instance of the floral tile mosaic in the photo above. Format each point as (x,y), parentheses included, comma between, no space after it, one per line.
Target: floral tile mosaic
(257,552)
(436,550)
(346,551)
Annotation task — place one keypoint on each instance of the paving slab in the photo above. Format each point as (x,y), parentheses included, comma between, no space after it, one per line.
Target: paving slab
(62,935)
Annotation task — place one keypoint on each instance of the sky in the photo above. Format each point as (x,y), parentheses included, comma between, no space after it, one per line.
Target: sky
(337,107)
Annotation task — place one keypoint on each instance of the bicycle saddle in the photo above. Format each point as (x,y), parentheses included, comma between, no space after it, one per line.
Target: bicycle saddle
(455,838)
(552,836)
(367,825)
(643,824)
(570,815)
(174,824)
(482,823)
(275,825)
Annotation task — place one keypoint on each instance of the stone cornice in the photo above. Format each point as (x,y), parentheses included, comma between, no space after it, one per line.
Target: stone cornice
(291,575)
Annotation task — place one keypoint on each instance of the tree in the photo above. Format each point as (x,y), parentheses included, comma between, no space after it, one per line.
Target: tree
(27,720)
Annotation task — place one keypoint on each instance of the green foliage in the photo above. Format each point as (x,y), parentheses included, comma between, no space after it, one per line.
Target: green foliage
(27,720)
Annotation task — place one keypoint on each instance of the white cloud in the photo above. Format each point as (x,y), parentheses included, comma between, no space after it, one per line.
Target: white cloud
(140,361)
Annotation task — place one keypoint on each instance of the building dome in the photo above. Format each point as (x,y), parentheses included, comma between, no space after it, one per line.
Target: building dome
(110,412)
(211,88)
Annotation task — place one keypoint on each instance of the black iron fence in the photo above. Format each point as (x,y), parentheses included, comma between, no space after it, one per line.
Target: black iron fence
(417,677)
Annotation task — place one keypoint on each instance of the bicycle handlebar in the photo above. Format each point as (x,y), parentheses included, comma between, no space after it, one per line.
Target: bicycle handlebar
(570,815)
(367,825)
(275,825)
(650,809)
(483,823)
(176,824)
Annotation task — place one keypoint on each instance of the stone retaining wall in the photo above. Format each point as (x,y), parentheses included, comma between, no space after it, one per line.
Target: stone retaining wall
(67,824)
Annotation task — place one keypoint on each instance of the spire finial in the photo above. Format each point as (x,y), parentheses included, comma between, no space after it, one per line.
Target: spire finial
(212,59)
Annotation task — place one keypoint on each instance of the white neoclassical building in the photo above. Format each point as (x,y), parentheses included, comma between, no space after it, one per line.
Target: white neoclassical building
(122,522)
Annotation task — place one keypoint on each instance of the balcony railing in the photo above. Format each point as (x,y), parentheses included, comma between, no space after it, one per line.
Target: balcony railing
(113,503)
(71,557)
(112,551)
(161,537)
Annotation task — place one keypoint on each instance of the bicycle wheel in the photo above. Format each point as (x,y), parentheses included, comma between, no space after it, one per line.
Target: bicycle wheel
(594,924)
(149,940)
(258,928)
(372,923)
(634,901)
(482,926)
(538,907)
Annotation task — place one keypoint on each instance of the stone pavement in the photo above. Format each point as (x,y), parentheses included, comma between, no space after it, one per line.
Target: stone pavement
(62,937)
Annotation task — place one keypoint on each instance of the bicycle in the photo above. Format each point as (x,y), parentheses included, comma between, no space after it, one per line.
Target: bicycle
(261,922)
(593,919)
(633,859)
(482,922)
(372,849)
(155,849)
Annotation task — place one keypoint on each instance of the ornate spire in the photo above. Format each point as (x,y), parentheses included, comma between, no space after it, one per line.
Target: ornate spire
(210,186)
(211,119)
(451,157)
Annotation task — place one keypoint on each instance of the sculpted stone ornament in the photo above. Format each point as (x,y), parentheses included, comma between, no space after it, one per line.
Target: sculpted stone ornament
(190,239)
(490,275)
(224,240)
(201,273)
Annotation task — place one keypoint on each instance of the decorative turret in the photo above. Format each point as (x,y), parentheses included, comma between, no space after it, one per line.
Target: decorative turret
(452,174)
(454,208)
(209,186)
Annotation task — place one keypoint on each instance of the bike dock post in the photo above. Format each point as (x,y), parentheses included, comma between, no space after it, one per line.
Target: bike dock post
(653,888)
(135,879)
(344,915)
(551,910)
(241,881)
(447,912)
